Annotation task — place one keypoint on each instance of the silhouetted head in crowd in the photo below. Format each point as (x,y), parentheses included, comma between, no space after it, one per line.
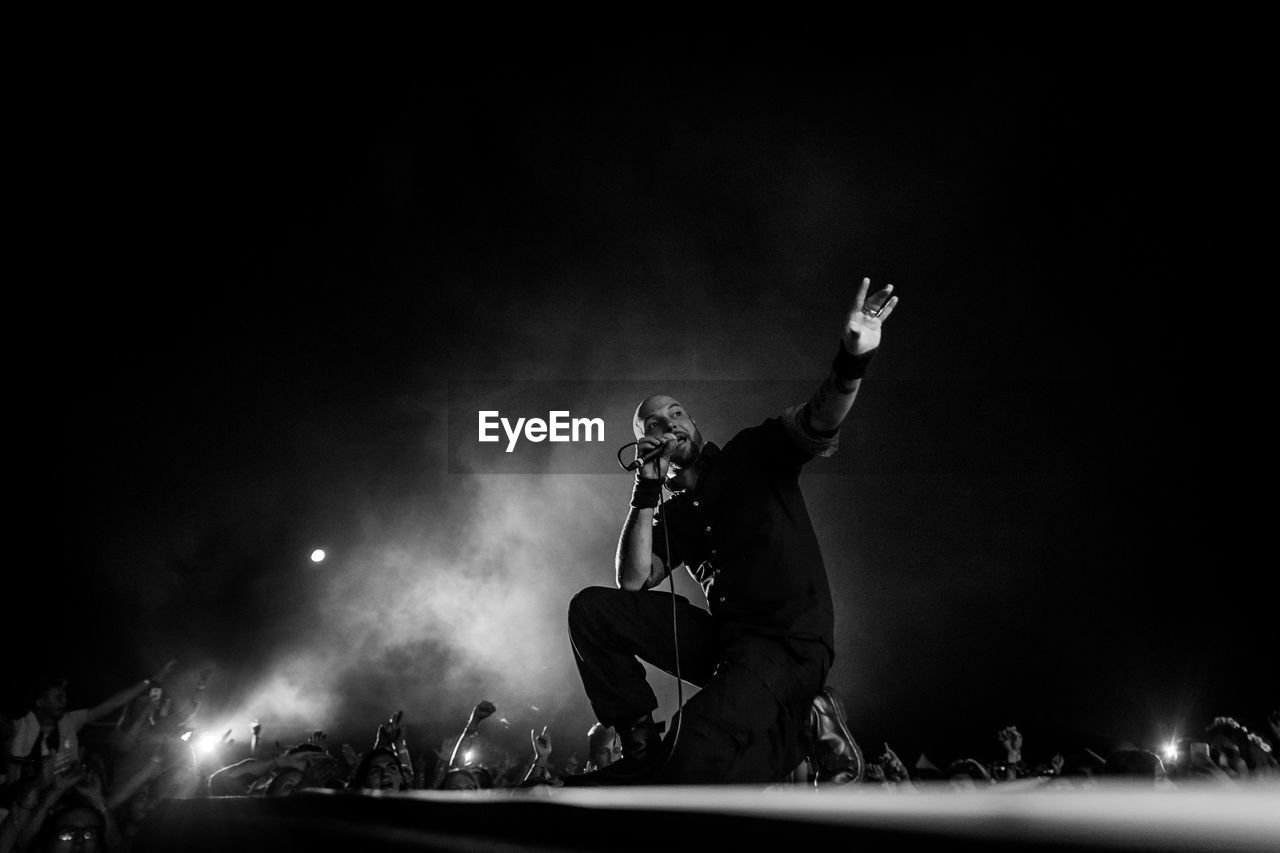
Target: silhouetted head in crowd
(603,745)
(1238,751)
(965,774)
(135,809)
(49,698)
(289,779)
(284,782)
(467,779)
(379,770)
(76,825)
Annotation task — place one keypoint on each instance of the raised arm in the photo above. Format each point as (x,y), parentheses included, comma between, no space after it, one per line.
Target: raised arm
(124,697)
(482,711)
(540,765)
(829,405)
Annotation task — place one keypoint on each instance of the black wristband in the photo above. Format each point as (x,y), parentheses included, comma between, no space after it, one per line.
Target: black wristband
(848,366)
(646,493)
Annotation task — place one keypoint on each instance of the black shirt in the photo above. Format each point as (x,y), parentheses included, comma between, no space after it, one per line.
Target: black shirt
(744,534)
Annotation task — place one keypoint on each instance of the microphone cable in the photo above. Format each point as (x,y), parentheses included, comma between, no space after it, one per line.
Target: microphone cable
(675,634)
(675,628)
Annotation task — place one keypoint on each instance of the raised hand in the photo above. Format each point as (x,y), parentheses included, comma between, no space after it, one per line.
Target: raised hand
(64,779)
(541,744)
(862,326)
(90,786)
(483,710)
(1011,739)
(894,769)
(164,671)
(393,727)
(656,468)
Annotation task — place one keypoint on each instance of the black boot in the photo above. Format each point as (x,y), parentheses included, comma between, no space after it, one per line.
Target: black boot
(641,746)
(834,756)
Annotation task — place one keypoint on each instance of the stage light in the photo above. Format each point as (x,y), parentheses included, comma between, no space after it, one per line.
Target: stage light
(466,758)
(317,555)
(1171,751)
(206,744)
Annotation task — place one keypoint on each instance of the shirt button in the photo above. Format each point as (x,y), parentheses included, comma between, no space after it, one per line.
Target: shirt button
(722,599)
(708,529)
(713,551)
(695,503)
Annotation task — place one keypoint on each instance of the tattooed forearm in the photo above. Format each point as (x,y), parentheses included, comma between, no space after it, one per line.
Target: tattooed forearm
(832,402)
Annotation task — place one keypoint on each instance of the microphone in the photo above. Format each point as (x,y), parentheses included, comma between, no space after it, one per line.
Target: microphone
(667,440)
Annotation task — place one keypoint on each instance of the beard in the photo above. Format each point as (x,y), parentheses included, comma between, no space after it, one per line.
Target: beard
(686,452)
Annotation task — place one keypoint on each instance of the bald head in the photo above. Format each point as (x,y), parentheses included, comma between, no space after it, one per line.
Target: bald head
(649,406)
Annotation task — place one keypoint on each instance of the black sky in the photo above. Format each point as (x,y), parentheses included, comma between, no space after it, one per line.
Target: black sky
(258,279)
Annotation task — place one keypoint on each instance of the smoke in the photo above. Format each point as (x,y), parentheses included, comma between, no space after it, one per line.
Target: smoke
(453,599)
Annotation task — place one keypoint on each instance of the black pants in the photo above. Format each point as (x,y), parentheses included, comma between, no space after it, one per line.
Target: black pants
(746,722)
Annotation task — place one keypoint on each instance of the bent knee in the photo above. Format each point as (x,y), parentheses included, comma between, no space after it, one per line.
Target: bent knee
(590,601)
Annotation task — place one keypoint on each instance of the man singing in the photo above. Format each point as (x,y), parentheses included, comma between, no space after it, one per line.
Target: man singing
(737,520)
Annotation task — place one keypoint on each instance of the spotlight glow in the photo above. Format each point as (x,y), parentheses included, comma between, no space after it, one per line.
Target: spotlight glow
(317,555)
(206,743)
(1171,751)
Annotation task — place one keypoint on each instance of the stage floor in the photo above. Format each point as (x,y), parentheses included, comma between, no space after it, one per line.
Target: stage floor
(1009,817)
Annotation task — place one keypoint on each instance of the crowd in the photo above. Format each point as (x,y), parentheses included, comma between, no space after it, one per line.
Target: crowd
(60,791)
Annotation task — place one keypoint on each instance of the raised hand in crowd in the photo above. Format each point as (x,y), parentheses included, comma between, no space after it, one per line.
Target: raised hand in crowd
(482,711)
(90,788)
(1011,740)
(1010,766)
(894,770)
(540,771)
(351,757)
(61,784)
(388,732)
(392,735)
(46,739)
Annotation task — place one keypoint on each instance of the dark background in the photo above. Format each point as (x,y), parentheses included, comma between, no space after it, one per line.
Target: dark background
(256,279)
